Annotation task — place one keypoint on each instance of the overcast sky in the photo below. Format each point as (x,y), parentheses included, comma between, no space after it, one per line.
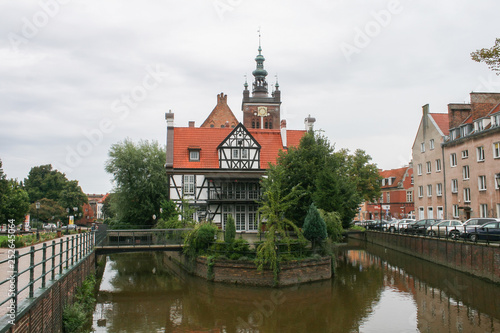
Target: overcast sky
(78,76)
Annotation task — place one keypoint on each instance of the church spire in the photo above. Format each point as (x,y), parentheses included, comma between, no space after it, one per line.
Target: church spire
(260,83)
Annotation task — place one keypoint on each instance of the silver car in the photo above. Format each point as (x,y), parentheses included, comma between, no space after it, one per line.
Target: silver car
(444,228)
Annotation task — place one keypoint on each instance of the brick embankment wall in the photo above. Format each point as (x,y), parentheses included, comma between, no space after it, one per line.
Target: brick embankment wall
(242,272)
(481,260)
(44,312)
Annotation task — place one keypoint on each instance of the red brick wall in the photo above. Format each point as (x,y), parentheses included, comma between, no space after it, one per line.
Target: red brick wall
(44,314)
(477,259)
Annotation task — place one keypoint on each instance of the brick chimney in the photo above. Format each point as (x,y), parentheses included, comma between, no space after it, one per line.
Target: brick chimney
(309,123)
(283,133)
(169,117)
(191,123)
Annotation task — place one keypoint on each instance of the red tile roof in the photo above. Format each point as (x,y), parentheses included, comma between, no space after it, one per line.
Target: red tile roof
(207,140)
(442,121)
(397,173)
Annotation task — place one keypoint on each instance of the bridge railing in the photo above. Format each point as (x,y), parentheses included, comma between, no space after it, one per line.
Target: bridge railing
(142,237)
(27,270)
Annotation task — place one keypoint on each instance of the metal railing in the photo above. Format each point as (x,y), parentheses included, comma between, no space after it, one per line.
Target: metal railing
(464,233)
(33,269)
(141,237)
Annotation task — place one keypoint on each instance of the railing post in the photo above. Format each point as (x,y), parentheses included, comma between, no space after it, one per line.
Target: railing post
(72,250)
(67,252)
(61,251)
(32,271)
(44,259)
(16,279)
(52,276)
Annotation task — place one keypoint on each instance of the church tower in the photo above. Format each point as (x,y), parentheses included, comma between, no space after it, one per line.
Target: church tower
(261,110)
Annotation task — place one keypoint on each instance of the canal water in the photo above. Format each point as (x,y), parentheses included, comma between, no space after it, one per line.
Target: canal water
(374,290)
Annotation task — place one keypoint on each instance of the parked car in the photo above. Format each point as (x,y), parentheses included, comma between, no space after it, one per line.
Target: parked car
(50,227)
(444,228)
(463,230)
(472,225)
(69,227)
(419,227)
(488,231)
(399,226)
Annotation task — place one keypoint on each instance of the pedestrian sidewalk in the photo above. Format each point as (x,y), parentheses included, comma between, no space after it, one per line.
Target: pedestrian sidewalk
(24,263)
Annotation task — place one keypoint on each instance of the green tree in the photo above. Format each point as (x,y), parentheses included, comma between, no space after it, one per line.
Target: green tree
(230,232)
(275,203)
(107,209)
(328,178)
(140,181)
(314,226)
(14,202)
(333,225)
(49,211)
(490,57)
(44,182)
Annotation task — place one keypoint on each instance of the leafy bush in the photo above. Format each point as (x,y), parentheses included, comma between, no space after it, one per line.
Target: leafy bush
(199,239)
(357,228)
(333,223)
(74,318)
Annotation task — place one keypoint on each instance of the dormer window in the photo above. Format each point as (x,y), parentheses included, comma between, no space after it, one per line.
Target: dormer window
(478,125)
(194,154)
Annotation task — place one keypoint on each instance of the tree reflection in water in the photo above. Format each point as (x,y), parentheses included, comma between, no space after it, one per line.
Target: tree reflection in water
(150,294)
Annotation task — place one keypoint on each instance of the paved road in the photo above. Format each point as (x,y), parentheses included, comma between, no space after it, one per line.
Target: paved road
(24,263)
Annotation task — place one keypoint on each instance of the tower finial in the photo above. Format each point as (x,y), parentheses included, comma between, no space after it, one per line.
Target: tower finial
(260,48)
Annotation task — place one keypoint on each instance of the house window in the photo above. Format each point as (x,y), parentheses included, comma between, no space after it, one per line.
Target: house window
(412,180)
(253,221)
(244,154)
(240,217)
(431,144)
(465,172)
(483,210)
(495,181)
(439,189)
(428,166)
(388,197)
(419,169)
(439,212)
(454,186)
(467,194)
(496,150)
(188,184)
(438,165)
(465,154)
(226,212)
(481,181)
(421,213)
(236,154)
(453,160)
(480,154)
(194,155)
(422,147)
(429,190)
(456,212)
(420,191)
(430,212)
(478,125)
(409,196)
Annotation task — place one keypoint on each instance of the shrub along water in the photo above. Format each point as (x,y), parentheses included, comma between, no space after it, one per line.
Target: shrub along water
(77,317)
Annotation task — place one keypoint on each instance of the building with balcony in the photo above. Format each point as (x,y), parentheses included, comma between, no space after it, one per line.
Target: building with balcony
(216,168)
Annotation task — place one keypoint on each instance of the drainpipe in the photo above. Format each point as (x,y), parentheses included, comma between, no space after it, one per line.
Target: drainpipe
(443,165)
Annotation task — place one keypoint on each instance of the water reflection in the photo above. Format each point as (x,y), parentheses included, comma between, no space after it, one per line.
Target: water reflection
(374,290)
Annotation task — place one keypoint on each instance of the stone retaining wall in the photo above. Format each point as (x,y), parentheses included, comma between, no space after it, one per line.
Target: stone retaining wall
(245,272)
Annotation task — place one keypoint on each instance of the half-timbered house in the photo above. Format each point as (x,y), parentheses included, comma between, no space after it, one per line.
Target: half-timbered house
(216,168)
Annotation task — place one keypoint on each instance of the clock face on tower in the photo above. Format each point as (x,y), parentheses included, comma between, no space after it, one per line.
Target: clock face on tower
(262,111)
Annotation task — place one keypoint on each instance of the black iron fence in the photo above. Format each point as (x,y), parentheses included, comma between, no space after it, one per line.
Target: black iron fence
(28,271)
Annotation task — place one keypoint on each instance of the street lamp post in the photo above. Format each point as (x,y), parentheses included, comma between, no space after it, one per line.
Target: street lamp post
(37,205)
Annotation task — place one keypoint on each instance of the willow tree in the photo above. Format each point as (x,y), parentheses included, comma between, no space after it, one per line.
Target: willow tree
(275,203)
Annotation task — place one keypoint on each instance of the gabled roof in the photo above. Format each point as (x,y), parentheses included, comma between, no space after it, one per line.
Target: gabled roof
(441,121)
(208,139)
(221,115)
